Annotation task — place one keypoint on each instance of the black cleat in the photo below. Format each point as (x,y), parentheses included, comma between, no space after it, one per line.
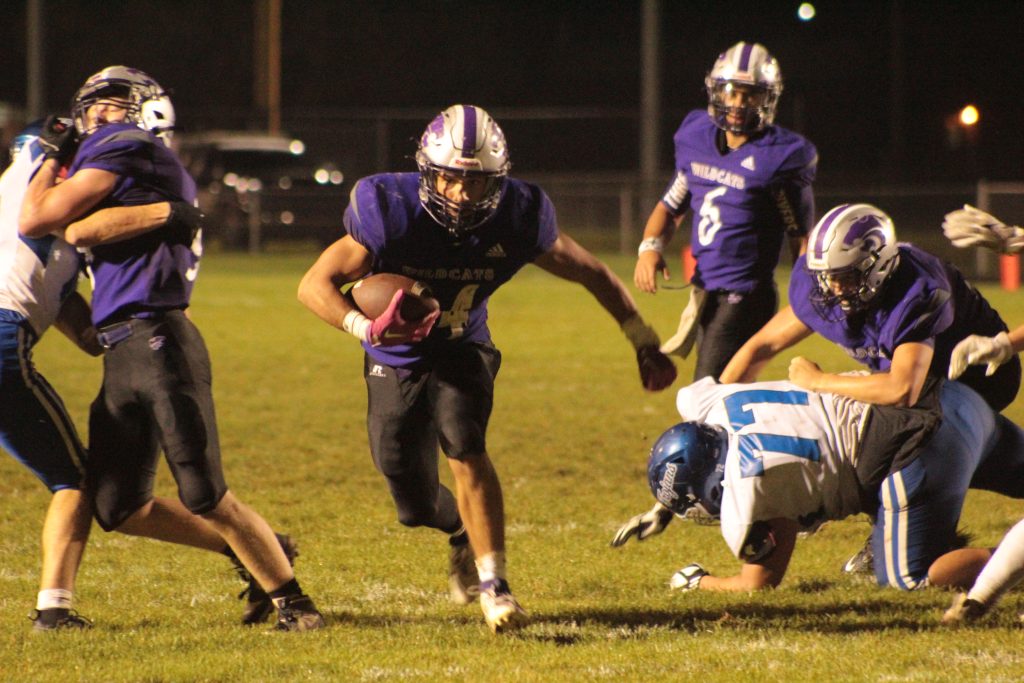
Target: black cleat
(258,605)
(58,619)
(297,613)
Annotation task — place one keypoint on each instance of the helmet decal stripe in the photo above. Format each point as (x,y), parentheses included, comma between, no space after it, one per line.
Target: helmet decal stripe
(748,50)
(469,124)
(823,229)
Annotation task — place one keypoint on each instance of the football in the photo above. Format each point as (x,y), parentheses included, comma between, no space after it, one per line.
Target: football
(373,293)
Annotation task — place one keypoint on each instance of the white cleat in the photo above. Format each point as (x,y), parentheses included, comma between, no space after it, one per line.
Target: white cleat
(463,580)
(501,610)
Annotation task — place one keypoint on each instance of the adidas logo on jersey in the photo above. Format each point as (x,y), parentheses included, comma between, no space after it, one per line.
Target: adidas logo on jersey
(748,163)
(376,371)
(496,252)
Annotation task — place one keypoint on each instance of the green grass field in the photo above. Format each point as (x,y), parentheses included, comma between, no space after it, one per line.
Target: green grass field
(569,434)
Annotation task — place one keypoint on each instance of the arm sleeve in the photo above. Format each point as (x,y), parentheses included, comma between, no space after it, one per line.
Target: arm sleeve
(677,196)
(362,219)
(922,318)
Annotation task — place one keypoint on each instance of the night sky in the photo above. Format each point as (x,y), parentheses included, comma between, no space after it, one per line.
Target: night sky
(342,59)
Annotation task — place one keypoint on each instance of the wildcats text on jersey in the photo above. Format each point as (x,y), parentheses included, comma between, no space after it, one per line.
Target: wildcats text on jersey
(718,175)
(461,274)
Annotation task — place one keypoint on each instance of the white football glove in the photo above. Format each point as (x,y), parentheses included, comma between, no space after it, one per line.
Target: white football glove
(644,526)
(682,341)
(975,350)
(688,578)
(971,227)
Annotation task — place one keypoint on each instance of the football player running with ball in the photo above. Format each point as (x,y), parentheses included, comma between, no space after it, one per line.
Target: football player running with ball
(748,183)
(462,227)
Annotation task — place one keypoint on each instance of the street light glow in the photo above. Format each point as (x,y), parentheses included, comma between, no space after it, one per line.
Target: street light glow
(969,115)
(806,11)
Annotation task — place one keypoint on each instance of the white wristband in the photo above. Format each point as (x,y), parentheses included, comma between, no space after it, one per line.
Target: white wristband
(357,324)
(639,333)
(651,244)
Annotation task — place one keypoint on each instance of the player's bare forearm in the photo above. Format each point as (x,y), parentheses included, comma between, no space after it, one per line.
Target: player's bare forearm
(766,572)
(74,322)
(48,207)
(117,224)
(320,289)
(569,261)
(781,332)
(900,386)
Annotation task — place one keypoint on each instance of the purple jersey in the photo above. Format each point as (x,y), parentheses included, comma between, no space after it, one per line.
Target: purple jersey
(145,273)
(744,201)
(926,300)
(386,217)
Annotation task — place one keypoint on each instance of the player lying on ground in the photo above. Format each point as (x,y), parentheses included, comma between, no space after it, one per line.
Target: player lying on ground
(770,459)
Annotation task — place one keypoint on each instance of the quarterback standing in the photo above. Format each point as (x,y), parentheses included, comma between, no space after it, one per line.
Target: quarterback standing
(156,393)
(748,184)
(463,228)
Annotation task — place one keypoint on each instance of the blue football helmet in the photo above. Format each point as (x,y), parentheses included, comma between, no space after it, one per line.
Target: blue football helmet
(851,253)
(463,140)
(686,467)
(149,106)
(751,68)
(26,134)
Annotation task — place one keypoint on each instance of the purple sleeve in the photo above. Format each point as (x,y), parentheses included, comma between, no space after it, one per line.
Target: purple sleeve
(922,315)
(362,219)
(794,194)
(547,225)
(126,153)
(801,289)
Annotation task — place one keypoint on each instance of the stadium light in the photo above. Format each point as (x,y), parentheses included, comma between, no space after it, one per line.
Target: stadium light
(969,115)
(806,11)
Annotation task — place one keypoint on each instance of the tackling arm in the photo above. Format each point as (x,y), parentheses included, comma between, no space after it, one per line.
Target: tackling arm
(900,386)
(48,206)
(121,223)
(74,322)
(779,333)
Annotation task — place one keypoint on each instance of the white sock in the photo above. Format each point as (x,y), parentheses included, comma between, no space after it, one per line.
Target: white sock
(491,567)
(53,598)
(1003,570)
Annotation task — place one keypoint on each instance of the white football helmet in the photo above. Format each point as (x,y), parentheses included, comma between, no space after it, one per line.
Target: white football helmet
(149,106)
(750,67)
(462,140)
(852,251)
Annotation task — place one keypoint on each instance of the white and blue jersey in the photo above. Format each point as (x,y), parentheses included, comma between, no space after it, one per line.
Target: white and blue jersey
(744,201)
(385,216)
(36,275)
(793,453)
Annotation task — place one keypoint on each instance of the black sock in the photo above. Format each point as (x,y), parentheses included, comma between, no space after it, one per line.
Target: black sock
(290,588)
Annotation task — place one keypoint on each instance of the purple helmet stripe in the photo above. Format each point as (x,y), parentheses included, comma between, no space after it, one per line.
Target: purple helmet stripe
(748,49)
(823,228)
(469,124)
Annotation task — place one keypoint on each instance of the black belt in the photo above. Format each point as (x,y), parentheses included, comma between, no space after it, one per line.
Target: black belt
(110,335)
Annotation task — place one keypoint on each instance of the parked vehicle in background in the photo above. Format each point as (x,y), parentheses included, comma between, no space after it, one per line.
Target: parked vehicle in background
(255,188)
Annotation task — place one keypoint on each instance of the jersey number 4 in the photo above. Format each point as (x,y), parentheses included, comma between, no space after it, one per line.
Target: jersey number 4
(753,446)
